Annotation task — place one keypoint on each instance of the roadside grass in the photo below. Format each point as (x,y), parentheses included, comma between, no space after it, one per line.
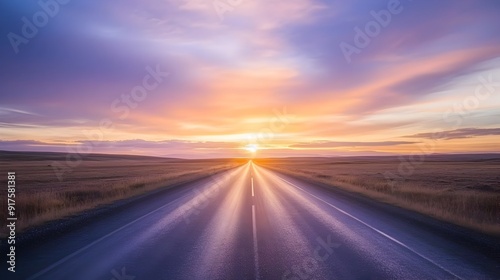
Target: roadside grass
(41,197)
(465,192)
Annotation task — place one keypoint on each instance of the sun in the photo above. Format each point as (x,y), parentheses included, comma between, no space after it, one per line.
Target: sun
(253,148)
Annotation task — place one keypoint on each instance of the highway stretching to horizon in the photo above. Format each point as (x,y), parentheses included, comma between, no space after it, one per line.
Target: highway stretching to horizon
(254,223)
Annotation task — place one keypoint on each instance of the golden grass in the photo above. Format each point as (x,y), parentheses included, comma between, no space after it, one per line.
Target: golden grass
(460,190)
(98,180)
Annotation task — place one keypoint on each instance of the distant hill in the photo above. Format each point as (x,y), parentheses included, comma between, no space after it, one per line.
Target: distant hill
(30,156)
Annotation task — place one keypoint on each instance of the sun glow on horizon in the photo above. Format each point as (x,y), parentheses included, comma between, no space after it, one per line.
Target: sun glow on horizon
(252,148)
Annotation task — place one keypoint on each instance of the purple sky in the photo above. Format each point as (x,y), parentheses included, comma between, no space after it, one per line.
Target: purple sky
(266,74)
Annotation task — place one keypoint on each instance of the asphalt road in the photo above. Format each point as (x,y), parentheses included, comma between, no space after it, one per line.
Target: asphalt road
(253,223)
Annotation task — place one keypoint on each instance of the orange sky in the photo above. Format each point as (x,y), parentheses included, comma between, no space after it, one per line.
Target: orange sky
(178,79)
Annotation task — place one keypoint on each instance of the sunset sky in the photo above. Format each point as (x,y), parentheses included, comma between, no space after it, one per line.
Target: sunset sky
(250,77)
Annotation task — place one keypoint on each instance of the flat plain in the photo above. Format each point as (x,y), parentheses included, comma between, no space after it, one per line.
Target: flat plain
(96,180)
(461,189)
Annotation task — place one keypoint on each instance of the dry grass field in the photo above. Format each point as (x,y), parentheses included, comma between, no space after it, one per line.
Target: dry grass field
(99,179)
(462,189)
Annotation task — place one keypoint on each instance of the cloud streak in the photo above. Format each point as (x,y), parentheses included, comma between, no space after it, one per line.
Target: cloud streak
(458,133)
(333,144)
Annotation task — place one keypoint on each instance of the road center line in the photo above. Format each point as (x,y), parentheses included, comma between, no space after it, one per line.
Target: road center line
(376,230)
(253,194)
(255,248)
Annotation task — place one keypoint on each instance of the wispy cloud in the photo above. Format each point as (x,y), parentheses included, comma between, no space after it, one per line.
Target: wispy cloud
(7,111)
(137,146)
(333,144)
(458,133)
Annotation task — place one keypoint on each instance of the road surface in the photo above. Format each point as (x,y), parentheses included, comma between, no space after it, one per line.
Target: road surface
(252,223)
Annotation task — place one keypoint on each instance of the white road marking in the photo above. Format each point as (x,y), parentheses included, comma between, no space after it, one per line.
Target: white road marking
(255,248)
(61,261)
(376,230)
(253,194)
